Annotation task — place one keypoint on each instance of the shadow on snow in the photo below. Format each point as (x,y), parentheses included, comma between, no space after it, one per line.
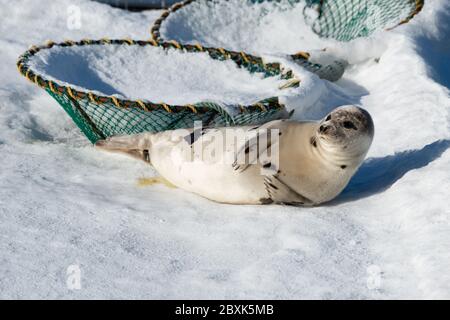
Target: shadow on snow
(378,174)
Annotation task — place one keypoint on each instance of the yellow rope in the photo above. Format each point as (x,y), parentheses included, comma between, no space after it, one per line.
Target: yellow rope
(52,88)
(176,44)
(33,49)
(36,80)
(244,56)
(142,104)
(19,67)
(199,46)
(27,75)
(303,54)
(177,6)
(165,106)
(91,97)
(192,107)
(225,54)
(261,106)
(116,101)
(69,91)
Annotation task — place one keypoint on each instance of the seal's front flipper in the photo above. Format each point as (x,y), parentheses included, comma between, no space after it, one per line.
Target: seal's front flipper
(281,193)
(135,146)
(259,143)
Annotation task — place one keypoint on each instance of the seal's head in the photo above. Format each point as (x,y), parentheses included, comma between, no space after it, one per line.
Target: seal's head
(346,130)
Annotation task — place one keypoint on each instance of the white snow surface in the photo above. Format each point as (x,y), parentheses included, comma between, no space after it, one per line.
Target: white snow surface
(153,74)
(63,203)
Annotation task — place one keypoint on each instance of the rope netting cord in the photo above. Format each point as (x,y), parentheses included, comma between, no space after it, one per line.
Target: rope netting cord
(101,116)
(341,20)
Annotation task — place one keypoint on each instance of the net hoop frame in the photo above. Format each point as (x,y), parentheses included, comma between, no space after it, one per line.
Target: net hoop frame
(241,60)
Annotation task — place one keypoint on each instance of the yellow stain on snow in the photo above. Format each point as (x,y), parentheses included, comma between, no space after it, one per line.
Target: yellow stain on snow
(146,182)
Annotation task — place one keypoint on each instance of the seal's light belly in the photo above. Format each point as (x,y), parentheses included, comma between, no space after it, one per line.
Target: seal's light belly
(214,180)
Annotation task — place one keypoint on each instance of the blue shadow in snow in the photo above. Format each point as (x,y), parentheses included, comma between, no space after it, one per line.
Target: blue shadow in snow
(378,174)
(76,69)
(436,51)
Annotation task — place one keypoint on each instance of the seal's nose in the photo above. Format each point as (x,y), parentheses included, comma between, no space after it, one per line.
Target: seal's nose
(323,128)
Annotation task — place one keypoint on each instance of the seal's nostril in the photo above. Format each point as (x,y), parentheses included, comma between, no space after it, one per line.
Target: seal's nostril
(323,128)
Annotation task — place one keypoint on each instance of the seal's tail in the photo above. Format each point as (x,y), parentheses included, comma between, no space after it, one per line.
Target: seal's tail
(136,146)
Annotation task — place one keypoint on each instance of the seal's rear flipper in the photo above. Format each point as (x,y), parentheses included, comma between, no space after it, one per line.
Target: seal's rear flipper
(135,146)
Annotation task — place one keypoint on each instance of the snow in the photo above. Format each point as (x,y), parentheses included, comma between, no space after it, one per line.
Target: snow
(64,203)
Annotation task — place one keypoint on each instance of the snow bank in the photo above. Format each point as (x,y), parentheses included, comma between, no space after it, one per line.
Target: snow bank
(63,203)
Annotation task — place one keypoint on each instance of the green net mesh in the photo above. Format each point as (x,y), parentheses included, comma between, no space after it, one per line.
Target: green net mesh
(98,122)
(345,20)
(100,117)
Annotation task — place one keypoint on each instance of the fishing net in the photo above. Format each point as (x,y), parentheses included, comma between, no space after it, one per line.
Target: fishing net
(274,26)
(345,20)
(191,21)
(100,115)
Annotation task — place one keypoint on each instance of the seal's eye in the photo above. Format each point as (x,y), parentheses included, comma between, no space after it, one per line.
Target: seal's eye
(328,118)
(349,125)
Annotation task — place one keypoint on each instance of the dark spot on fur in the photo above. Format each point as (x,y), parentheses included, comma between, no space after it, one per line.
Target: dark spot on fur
(273,186)
(266,201)
(146,155)
(343,167)
(280,133)
(267,165)
(294,203)
(313,142)
(254,128)
(247,150)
